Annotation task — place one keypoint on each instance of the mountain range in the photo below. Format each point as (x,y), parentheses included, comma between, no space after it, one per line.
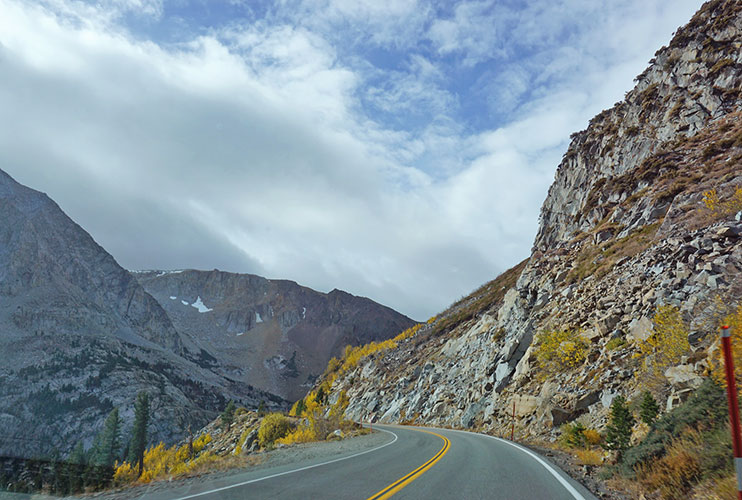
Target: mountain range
(80,335)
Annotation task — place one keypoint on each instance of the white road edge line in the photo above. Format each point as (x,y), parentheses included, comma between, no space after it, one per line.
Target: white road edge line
(293,471)
(565,483)
(576,494)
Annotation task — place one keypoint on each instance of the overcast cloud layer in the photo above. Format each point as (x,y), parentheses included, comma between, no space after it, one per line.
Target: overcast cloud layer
(399,150)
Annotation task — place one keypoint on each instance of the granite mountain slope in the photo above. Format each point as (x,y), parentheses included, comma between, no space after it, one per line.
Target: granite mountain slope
(273,334)
(79,335)
(628,226)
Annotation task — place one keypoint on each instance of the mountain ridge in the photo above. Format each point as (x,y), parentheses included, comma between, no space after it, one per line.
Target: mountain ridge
(276,334)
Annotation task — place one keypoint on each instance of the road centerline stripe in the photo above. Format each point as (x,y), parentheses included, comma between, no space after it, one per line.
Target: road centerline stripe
(571,489)
(405,480)
(243,483)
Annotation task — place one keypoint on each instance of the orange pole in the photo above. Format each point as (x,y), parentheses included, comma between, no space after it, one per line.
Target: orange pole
(726,345)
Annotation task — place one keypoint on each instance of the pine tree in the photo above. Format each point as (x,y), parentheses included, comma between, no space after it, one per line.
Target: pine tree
(649,409)
(139,432)
(300,407)
(618,432)
(320,395)
(107,444)
(77,455)
(261,408)
(228,414)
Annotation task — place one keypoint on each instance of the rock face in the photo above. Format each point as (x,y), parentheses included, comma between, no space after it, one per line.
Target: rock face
(55,280)
(624,230)
(79,335)
(273,334)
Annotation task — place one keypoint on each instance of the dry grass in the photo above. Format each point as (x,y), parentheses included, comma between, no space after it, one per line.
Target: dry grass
(589,457)
(673,475)
(599,260)
(592,437)
(721,488)
(695,462)
(478,301)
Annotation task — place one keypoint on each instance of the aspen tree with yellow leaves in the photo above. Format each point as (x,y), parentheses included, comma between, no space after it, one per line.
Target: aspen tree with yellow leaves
(664,347)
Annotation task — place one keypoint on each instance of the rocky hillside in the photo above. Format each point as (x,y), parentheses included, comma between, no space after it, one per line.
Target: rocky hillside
(79,335)
(643,220)
(273,334)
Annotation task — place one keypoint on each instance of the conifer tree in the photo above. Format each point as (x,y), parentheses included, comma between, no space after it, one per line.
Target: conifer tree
(228,414)
(649,409)
(300,407)
(320,395)
(261,408)
(107,444)
(618,431)
(77,455)
(139,432)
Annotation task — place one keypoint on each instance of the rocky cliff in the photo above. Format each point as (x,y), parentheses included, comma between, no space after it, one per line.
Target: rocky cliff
(273,334)
(643,213)
(79,335)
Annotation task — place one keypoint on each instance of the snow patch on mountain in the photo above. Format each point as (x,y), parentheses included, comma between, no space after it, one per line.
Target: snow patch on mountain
(200,306)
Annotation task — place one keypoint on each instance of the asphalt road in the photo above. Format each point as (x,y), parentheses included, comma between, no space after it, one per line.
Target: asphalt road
(415,463)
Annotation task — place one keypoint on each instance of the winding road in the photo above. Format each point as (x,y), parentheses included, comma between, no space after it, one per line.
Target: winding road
(414,463)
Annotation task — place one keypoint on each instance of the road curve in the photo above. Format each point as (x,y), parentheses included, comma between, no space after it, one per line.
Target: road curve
(415,463)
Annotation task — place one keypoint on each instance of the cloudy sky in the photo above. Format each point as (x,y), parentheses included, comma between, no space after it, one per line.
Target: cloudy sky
(395,149)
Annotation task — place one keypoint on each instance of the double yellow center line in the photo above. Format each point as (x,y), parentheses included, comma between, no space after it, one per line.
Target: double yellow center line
(400,483)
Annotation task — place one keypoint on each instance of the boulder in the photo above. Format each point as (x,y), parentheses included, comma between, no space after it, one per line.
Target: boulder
(591,334)
(525,405)
(587,400)
(677,397)
(683,376)
(559,416)
(438,408)
(607,397)
(729,232)
(640,329)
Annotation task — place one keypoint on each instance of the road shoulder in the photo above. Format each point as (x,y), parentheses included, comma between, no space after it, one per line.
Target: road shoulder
(283,458)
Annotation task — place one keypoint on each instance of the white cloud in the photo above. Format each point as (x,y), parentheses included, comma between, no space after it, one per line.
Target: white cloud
(253,148)
(394,23)
(473,31)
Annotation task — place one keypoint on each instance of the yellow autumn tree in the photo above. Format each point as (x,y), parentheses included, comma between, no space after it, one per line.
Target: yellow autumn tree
(273,427)
(665,347)
(160,462)
(560,349)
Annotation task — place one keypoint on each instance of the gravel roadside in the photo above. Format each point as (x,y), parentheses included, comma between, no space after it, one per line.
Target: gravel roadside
(296,454)
(584,474)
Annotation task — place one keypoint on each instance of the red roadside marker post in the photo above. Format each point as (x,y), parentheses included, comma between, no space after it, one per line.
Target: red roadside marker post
(726,346)
(512,424)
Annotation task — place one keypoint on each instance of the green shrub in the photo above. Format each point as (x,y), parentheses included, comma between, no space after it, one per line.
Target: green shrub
(615,343)
(706,408)
(274,426)
(573,435)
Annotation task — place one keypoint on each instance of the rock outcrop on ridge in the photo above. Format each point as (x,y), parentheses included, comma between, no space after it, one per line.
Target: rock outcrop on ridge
(629,225)
(273,334)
